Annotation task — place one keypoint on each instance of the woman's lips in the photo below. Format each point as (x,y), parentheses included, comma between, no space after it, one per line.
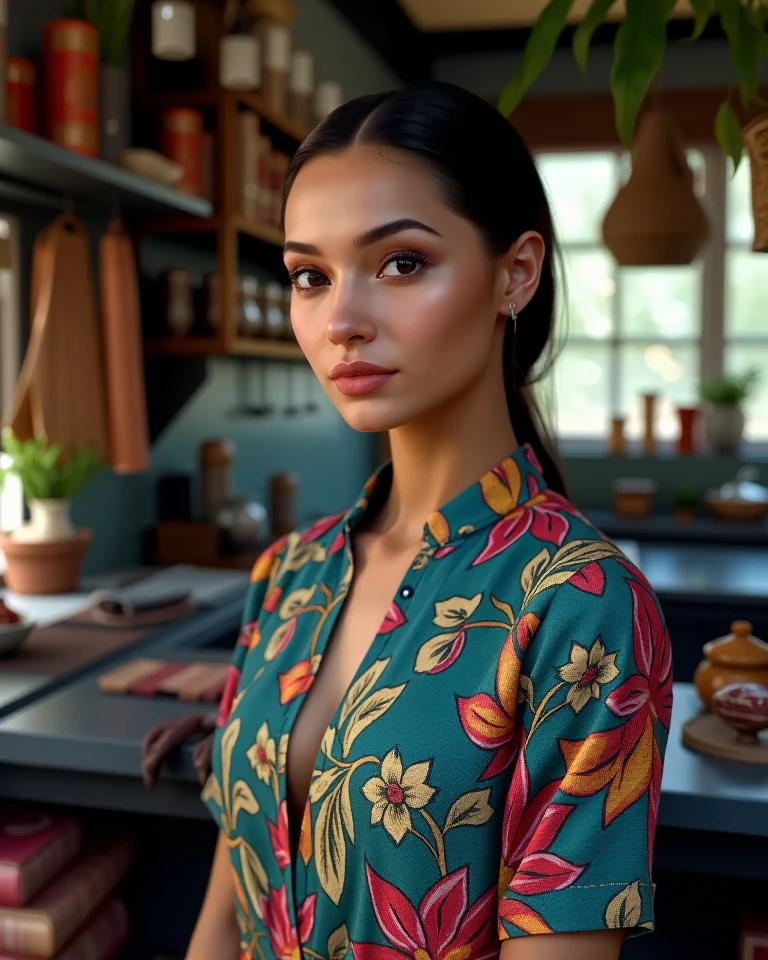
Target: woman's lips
(359,377)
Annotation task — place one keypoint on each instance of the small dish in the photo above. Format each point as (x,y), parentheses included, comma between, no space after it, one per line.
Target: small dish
(744,707)
(13,635)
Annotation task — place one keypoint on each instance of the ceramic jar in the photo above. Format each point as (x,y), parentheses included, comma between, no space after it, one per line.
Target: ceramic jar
(736,658)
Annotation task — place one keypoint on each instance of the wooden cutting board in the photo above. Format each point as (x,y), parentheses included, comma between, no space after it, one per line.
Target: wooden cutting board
(60,392)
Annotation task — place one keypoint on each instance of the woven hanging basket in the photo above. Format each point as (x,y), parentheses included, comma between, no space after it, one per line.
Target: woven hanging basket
(756,142)
(656,218)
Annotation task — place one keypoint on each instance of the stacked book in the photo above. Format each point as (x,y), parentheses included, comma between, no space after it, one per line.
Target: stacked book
(261,172)
(58,889)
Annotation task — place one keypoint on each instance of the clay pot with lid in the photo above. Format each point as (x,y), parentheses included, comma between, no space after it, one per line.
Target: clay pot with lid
(738,657)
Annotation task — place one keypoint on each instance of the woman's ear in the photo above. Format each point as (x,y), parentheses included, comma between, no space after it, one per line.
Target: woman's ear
(522,271)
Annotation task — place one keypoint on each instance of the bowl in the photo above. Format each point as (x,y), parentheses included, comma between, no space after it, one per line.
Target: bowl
(737,509)
(744,707)
(13,635)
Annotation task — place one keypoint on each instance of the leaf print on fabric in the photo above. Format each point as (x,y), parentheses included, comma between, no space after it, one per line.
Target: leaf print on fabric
(360,688)
(469,810)
(295,602)
(282,753)
(530,828)
(329,847)
(255,877)
(324,781)
(501,487)
(590,579)
(272,599)
(569,559)
(278,834)
(525,691)
(243,799)
(320,527)
(440,652)
(587,671)
(625,908)
(295,681)
(338,943)
(543,516)
(263,754)
(373,707)
(627,758)
(505,608)
(438,527)
(395,792)
(280,639)
(392,619)
(305,835)
(446,926)
(534,569)
(456,611)
(522,916)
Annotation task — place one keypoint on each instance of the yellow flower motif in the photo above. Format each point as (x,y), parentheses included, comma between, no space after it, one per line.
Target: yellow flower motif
(586,671)
(263,754)
(395,791)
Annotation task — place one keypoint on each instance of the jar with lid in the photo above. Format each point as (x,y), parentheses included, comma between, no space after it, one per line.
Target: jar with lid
(251,318)
(301,88)
(275,39)
(738,657)
(271,299)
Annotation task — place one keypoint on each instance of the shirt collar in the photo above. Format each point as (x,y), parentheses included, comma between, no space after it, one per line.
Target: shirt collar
(513,481)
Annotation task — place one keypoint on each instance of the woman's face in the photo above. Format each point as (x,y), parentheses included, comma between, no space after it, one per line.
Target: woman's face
(385,273)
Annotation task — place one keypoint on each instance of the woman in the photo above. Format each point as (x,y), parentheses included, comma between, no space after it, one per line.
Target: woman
(478,766)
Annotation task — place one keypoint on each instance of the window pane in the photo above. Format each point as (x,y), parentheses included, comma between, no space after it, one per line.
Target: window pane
(667,369)
(739,225)
(661,302)
(746,294)
(581,390)
(589,287)
(581,186)
(737,360)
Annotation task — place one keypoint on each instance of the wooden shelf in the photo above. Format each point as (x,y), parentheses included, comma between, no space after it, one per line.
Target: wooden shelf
(260,231)
(54,173)
(213,347)
(215,98)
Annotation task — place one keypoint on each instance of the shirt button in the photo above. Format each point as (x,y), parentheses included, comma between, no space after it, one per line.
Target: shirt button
(406,593)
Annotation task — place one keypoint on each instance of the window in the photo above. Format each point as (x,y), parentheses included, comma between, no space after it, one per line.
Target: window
(11,502)
(629,331)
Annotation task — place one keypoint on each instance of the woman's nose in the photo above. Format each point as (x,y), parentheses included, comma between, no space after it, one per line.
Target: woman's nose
(349,320)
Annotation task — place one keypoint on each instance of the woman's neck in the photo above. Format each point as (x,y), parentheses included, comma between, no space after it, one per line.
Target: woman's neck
(435,458)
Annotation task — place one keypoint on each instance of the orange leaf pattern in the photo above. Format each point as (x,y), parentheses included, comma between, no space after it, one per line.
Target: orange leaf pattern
(526,805)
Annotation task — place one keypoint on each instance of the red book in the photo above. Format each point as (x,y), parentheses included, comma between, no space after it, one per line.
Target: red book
(102,938)
(51,919)
(34,846)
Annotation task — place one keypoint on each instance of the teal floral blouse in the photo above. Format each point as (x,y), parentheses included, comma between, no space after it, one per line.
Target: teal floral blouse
(494,768)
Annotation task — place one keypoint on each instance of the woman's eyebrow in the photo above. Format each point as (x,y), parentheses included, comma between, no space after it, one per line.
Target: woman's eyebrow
(374,235)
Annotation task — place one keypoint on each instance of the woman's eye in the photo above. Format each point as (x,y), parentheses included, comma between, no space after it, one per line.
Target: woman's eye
(402,267)
(308,279)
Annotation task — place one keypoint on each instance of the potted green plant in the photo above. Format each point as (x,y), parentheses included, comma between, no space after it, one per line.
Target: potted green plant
(45,554)
(723,416)
(684,503)
(113,19)
(638,53)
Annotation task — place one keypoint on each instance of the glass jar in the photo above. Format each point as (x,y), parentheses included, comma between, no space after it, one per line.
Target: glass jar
(251,318)
(272,310)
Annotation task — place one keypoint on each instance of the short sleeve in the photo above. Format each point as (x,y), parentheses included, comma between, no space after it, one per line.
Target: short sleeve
(257,591)
(594,706)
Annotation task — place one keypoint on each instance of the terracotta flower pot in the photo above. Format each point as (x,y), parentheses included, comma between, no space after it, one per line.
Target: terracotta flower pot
(45,568)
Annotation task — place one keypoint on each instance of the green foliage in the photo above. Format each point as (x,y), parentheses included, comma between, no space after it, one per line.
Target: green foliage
(638,54)
(113,20)
(728,389)
(46,470)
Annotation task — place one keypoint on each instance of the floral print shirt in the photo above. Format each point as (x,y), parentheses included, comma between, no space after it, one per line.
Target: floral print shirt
(494,768)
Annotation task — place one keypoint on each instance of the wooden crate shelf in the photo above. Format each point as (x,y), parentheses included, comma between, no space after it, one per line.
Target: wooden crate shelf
(213,347)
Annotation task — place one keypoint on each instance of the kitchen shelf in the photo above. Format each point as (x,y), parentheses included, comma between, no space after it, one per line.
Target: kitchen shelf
(181,225)
(213,347)
(260,231)
(56,173)
(201,99)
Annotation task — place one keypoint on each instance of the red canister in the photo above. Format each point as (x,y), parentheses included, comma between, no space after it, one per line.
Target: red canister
(21,108)
(71,66)
(181,139)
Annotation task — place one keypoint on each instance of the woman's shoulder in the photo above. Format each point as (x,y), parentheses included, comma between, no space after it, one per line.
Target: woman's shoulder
(312,540)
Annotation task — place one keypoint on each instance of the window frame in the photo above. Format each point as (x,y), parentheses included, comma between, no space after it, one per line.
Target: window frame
(11,497)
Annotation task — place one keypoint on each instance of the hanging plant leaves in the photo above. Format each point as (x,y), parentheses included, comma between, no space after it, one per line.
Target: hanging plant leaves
(728,133)
(537,54)
(638,55)
(583,35)
(744,43)
(703,11)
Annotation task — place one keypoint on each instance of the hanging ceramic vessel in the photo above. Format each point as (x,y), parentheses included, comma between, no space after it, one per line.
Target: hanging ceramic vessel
(173,30)
(756,142)
(656,218)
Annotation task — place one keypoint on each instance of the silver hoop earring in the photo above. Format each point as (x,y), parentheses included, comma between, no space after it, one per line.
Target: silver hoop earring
(513,343)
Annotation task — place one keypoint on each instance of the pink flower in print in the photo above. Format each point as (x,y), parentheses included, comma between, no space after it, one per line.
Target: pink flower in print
(282,933)
(446,926)
(279,836)
(393,619)
(320,527)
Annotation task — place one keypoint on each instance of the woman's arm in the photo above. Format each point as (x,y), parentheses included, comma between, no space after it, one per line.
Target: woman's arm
(216,933)
(597,945)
